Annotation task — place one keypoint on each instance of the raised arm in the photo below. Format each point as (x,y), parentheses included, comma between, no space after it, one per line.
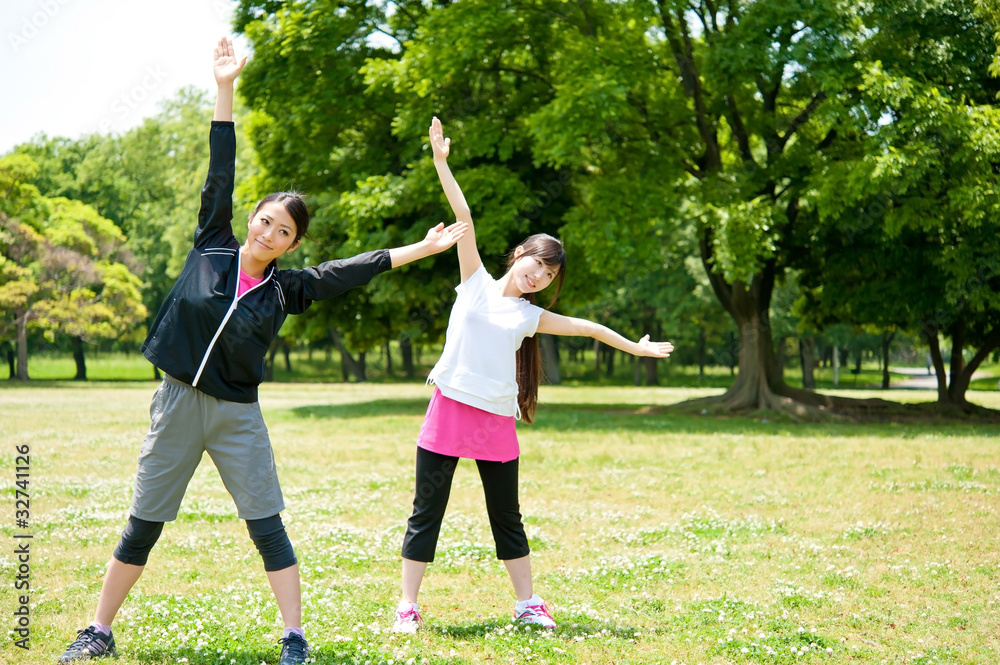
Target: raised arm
(227,68)
(556,324)
(437,240)
(468,253)
(216,213)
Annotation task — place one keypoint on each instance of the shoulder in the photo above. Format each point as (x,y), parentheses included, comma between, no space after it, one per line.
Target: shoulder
(477,281)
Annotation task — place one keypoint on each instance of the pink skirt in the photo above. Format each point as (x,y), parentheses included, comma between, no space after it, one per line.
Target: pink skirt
(459,430)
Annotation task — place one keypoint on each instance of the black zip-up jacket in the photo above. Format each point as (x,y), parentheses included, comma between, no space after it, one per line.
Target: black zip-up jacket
(206,336)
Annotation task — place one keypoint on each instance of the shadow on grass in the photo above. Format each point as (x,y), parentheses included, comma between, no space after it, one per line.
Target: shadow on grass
(240,656)
(568,627)
(650,418)
(373,409)
(343,652)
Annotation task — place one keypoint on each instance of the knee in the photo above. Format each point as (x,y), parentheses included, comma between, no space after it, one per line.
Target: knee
(137,540)
(272,542)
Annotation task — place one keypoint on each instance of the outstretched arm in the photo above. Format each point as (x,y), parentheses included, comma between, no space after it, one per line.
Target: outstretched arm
(468,254)
(437,240)
(227,68)
(556,324)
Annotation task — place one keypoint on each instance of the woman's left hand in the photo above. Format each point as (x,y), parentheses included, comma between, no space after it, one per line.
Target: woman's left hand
(654,349)
(441,238)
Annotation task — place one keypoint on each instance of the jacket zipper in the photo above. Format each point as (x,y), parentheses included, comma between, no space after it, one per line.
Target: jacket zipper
(225,319)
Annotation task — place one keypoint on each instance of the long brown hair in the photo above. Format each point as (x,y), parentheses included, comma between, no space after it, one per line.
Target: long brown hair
(529,357)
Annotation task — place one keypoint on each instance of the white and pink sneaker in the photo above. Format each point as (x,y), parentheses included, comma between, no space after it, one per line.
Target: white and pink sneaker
(533,612)
(407,618)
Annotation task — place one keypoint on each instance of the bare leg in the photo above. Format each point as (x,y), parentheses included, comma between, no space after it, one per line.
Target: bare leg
(288,592)
(520,574)
(413,575)
(118,581)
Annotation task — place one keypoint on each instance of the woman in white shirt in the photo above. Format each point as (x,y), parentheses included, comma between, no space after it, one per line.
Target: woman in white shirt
(488,377)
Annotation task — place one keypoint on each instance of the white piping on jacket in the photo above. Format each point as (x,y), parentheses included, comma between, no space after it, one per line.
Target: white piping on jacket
(225,319)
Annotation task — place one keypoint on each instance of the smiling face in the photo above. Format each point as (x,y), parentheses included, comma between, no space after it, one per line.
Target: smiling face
(530,273)
(271,232)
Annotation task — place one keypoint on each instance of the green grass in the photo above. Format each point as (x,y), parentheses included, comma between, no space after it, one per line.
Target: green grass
(656,538)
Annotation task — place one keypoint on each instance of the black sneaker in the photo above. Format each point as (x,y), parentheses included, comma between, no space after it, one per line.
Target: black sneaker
(90,644)
(295,650)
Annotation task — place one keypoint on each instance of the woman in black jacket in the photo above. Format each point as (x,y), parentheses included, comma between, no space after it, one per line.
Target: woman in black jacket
(210,338)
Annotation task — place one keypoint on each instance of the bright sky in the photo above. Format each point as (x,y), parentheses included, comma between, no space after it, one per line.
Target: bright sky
(73,67)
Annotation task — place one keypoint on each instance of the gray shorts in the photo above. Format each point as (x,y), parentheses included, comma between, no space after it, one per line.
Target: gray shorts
(186,423)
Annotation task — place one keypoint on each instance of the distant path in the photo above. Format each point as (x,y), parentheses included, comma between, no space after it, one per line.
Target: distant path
(920,379)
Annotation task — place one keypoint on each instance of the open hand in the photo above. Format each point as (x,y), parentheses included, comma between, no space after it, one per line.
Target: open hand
(439,144)
(654,349)
(441,238)
(227,65)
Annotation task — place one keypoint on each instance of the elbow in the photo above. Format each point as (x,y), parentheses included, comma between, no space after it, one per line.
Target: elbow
(589,329)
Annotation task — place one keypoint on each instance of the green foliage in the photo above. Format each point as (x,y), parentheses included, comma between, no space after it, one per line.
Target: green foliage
(61,273)
(907,226)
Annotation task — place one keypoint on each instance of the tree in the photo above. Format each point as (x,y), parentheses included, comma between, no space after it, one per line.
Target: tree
(323,120)
(908,210)
(59,272)
(18,288)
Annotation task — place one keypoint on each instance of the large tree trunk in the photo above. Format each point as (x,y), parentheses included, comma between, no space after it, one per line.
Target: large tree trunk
(81,363)
(406,350)
(759,384)
(758,381)
(550,359)
(807,347)
(388,359)
(21,322)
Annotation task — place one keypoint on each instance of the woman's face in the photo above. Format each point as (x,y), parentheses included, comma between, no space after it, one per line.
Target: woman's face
(271,232)
(531,274)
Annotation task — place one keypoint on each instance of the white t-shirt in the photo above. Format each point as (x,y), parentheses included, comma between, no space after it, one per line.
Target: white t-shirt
(478,366)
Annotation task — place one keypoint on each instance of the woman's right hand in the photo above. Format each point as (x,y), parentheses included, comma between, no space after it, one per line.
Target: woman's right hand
(439,144)
(227,65)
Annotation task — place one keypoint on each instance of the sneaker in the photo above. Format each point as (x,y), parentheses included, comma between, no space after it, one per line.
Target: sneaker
(533,612)
(407,618)
(294,651)
(90,643)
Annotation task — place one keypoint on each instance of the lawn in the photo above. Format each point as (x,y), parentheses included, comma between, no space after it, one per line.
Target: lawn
(656,538)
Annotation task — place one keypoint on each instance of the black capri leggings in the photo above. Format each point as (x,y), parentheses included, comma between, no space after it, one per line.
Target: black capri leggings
(434,476)
(268,535)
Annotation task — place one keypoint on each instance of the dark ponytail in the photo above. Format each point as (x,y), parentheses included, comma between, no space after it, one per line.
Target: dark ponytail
(529,357)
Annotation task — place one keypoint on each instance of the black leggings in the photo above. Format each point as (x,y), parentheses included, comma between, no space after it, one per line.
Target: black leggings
(434,476)
(268,535)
